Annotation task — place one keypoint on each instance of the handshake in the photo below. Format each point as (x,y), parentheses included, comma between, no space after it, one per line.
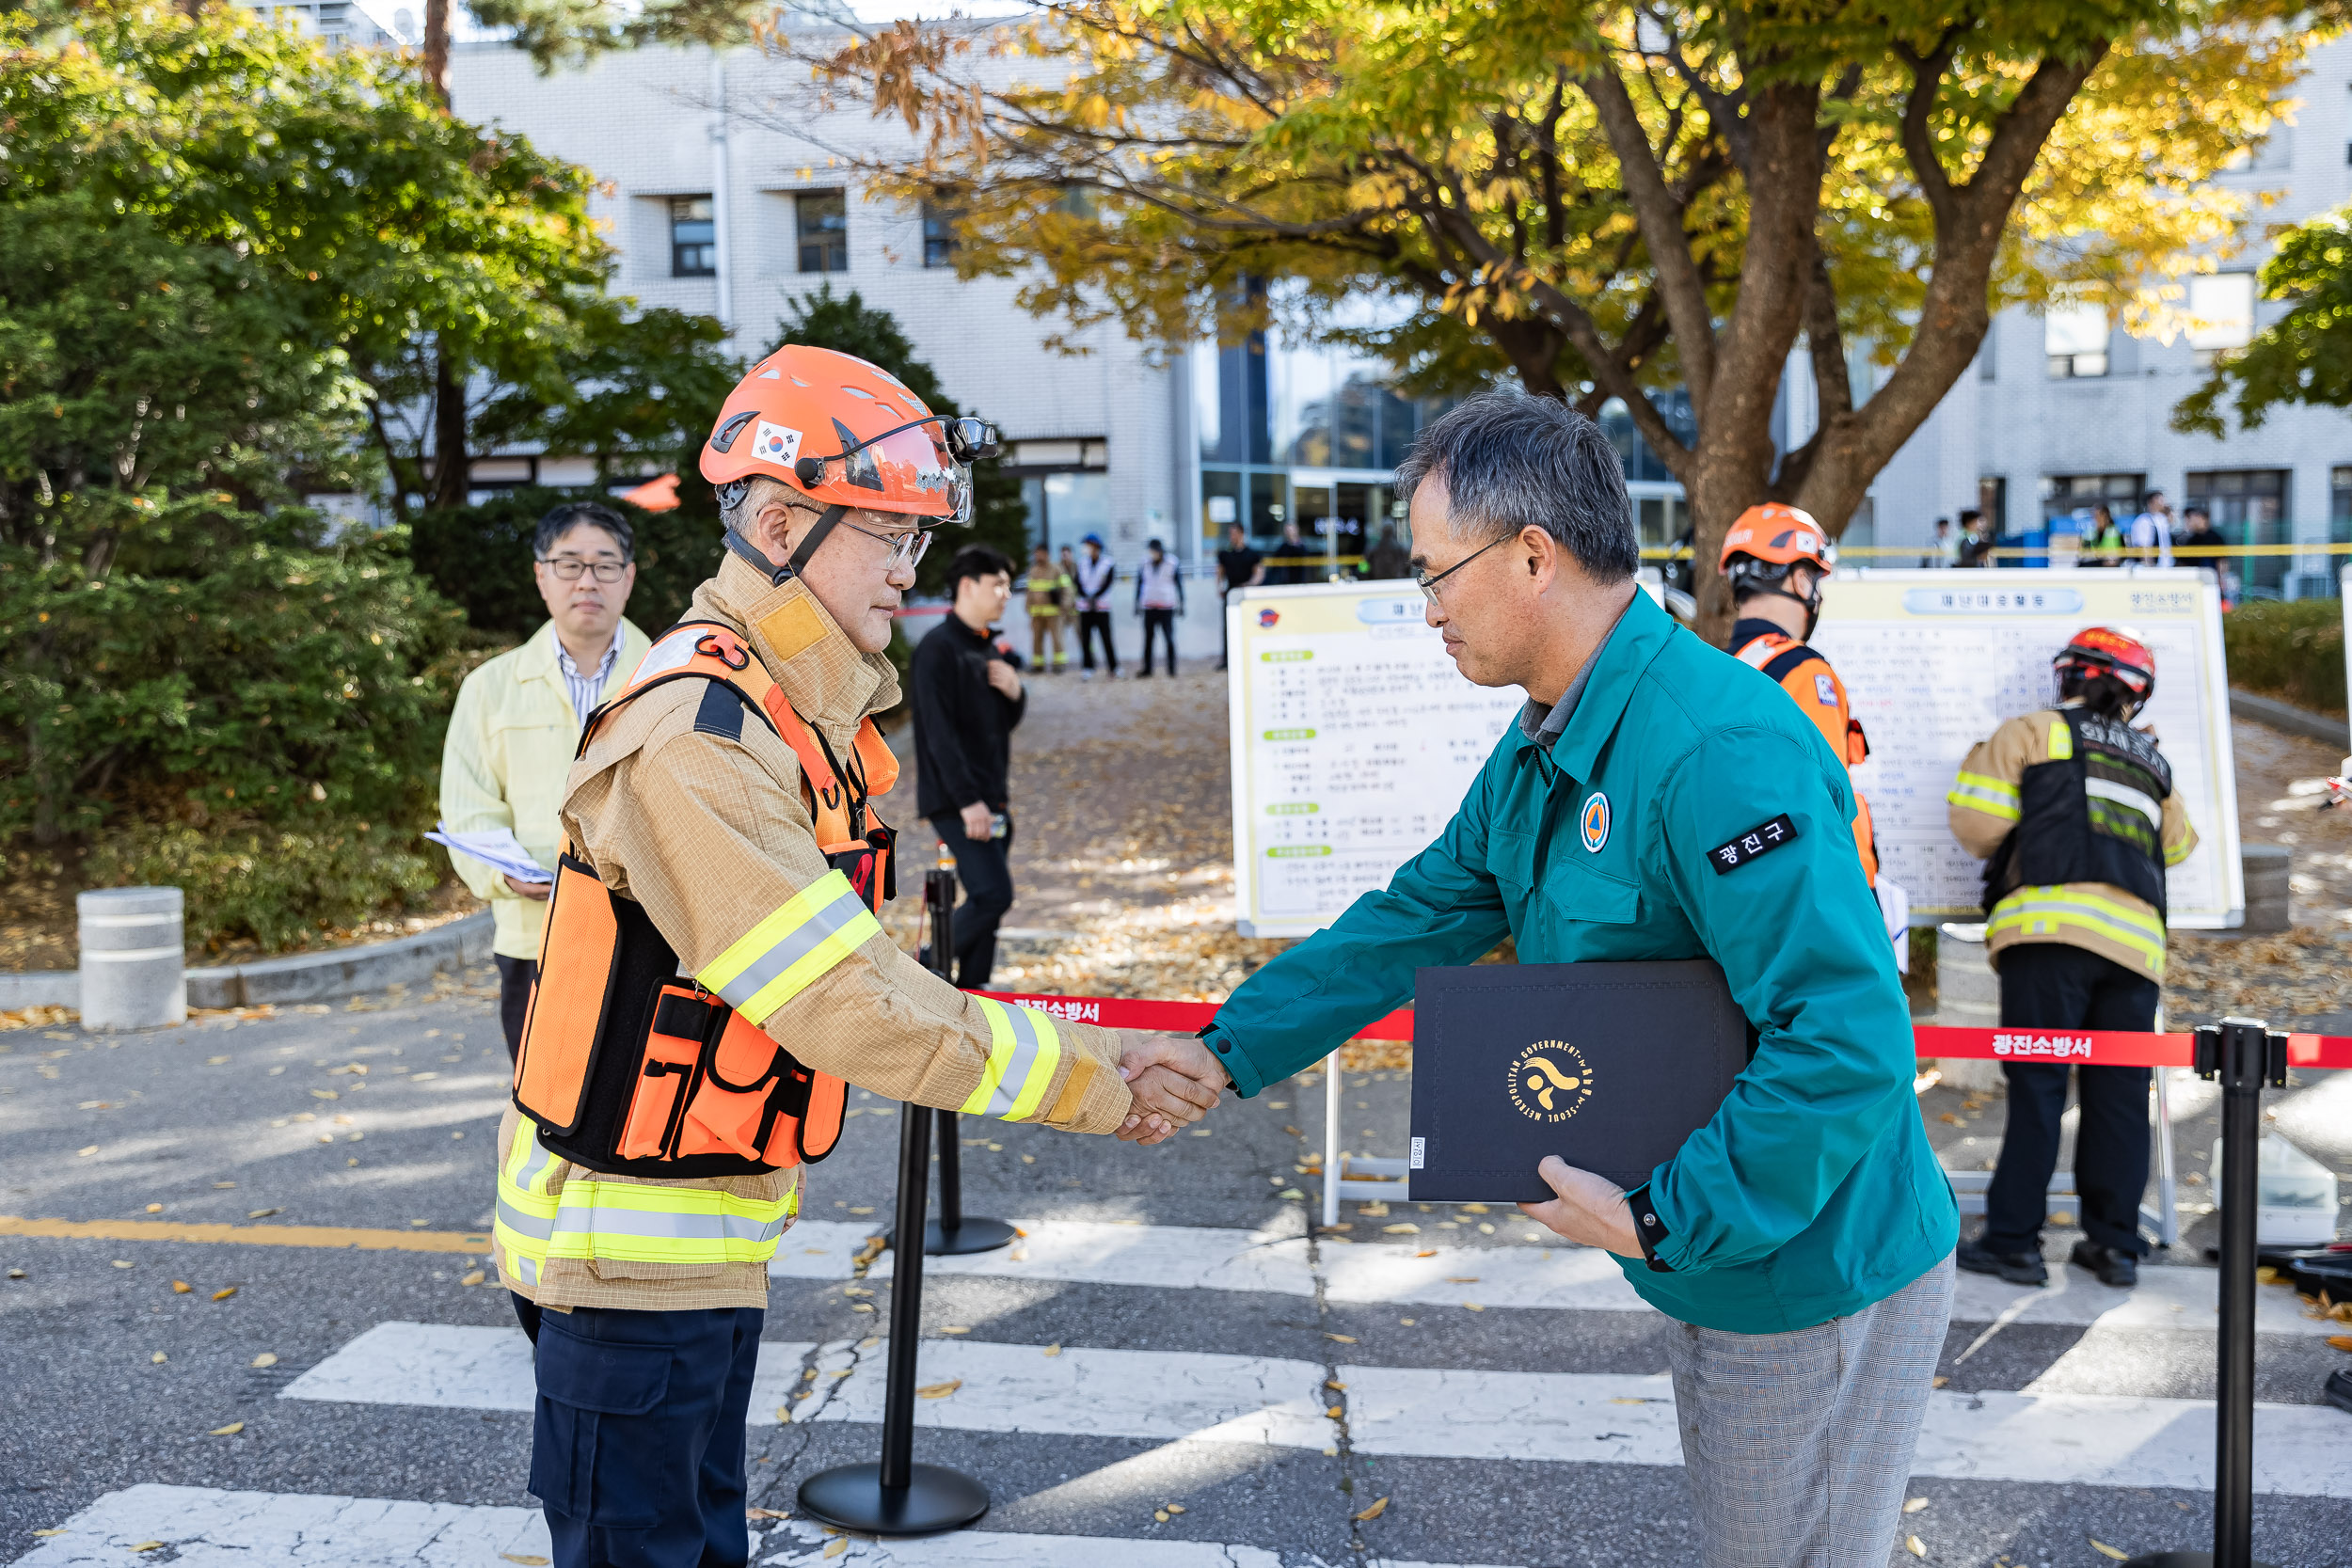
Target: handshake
(1175,1080)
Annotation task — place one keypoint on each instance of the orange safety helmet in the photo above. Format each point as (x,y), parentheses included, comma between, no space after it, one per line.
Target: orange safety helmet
(848,434)
(1777,535)
(2116,652)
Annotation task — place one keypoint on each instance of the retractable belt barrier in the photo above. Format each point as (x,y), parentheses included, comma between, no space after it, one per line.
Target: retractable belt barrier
(2073,1047)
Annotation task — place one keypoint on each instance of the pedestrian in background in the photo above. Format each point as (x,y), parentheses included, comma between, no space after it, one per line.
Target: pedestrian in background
(2102,539)
(1947,544)
(1388,559)
(1093,579)
(1159,599)
(1048,605)
(1237,566)
(2151,530)
(2075,813)
(1976,539)
(517,721)
(967,700)
(1291,564)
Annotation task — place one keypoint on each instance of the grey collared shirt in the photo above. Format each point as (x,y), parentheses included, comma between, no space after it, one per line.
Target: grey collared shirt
(1543,725)
(585,689)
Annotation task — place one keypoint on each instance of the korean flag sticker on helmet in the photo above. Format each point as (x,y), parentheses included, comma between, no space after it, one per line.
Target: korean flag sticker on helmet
(775,443)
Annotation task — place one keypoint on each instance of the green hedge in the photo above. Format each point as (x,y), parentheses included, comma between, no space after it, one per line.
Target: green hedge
(2291,651)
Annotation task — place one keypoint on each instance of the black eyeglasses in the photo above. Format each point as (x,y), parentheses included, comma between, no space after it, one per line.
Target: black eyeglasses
(567,568)
(1429,584)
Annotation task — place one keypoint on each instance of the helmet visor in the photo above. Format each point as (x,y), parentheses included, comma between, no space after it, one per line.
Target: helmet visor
(912,466)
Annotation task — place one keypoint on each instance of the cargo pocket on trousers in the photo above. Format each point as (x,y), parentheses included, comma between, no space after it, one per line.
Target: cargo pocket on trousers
(580,1463)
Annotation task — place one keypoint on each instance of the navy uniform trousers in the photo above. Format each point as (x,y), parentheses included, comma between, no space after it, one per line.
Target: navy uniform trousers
(2049,985)
(637,1450)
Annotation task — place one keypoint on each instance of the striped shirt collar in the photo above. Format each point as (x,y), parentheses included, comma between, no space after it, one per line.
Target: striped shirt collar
(585,689)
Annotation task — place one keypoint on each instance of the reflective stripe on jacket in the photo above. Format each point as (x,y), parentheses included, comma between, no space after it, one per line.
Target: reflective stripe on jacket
(1988,804)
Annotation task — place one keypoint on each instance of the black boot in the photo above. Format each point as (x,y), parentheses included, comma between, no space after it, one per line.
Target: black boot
(2018,1268)
(2119,1269)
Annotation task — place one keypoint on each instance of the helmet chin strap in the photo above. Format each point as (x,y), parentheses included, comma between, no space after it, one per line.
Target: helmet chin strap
(1812,607)
(777,576)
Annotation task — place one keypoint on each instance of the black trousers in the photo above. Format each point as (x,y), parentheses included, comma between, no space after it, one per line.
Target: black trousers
(1093,623)
(984,866)
(2051,985)
(1163,623)
(637,1445)
(515,980)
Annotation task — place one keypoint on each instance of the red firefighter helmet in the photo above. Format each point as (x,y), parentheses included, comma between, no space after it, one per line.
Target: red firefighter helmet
(844,433)
(1778,537)
(2116,652)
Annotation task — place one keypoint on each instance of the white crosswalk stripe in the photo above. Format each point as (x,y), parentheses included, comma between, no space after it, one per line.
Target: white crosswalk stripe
(1558,1278)
(1428,1413)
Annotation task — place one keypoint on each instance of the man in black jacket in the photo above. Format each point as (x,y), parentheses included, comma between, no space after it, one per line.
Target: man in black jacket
(967,699)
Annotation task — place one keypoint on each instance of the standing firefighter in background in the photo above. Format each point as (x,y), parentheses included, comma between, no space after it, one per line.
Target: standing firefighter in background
(714,971)
(1048,602)
(2074,812)
(1774,557)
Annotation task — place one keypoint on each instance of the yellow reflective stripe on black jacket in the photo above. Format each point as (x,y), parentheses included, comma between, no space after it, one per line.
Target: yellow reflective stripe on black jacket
(1022,1055)
(593,1216)
(2046,913)
(781,956)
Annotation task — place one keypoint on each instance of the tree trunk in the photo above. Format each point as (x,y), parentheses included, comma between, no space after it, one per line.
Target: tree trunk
(451,463)
(436,49)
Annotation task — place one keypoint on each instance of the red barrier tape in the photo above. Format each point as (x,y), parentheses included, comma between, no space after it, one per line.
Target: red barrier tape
(2092,1047)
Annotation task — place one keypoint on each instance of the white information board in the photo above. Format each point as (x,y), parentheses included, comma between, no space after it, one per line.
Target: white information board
(1935,661)
(1354,740)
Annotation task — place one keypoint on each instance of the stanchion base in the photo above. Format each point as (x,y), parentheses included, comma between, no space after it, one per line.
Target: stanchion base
(973,1235)
(852,1498)
(2180,1560)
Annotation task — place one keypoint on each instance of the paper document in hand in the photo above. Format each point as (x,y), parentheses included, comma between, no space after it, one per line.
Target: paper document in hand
(500,850)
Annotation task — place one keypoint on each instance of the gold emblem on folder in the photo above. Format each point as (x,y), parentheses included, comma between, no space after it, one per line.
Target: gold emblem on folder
(1551,1081)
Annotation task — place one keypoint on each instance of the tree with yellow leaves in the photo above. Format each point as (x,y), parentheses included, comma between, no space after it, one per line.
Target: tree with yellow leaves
(1606,201)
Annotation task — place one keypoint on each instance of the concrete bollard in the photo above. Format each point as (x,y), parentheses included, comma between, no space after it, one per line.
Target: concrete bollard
(2267,867)
(133,957)
(1968,996)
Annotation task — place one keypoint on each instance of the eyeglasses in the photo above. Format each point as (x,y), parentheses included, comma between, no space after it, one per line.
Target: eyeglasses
(905,549)
(1429,584)
(568,567)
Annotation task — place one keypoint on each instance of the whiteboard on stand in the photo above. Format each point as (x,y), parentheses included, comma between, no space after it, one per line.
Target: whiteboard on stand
(1353,741)
(1934,662)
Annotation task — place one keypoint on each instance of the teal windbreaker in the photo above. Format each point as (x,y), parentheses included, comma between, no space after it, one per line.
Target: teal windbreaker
(1813,1192)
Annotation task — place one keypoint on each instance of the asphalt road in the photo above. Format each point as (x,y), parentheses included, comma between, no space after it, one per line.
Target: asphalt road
(121,1380)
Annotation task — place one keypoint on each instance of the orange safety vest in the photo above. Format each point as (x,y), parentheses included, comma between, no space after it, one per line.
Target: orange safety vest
(629,1067)
(1807,678)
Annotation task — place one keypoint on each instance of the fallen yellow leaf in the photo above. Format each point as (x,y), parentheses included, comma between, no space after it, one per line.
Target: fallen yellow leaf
(1378,1509)
(1159,1516)
(1175,1508)
(524,1559)
(229,1430)
(1052,1350)
(939,1390)
(148,1547)
(766,1514)
(1400,1230)
(784,1413)
(1431,1252)
(473,1276)
(181,1287)
(1914,1505)
(954,1329)
(1333,1412)
(154,1208)
(836,1547)
(324,1094)
(268,1358)
(1341,1339)
(60,1530)
(224,1294)
(2342,1341)
(2104,1550)
(87,1153)
(159,1358)
(1335,1384)
(1940,1381)
(1912,1544)
(262,1213)
(1471,1307)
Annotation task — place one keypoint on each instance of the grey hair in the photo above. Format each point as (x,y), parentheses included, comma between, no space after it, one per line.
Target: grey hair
(740,502)
(1510,461)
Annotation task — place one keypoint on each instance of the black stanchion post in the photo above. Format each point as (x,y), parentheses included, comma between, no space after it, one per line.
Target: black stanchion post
(2244,1056)
(898,1496)
(952,1233)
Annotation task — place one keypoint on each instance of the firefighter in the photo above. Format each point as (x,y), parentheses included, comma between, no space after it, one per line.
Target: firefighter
(1775,558)
(2074,814)
(713,972)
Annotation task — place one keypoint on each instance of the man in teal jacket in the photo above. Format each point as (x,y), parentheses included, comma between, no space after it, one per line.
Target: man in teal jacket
(1661,800)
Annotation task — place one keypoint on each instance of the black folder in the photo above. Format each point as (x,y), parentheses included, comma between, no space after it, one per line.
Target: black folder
(1610,1066)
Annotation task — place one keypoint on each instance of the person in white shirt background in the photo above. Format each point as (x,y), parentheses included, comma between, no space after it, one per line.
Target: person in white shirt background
(1160,598)
(2153,529)
(1094,577)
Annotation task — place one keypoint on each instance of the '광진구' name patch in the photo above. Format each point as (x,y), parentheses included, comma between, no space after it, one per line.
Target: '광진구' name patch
(1755,841)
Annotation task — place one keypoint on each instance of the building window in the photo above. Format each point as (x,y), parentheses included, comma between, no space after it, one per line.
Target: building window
(2067,500)
(2249,506)
(2223,305)
(693,238)
(939,235)
(821,220)
(2076,339)
(1992,504)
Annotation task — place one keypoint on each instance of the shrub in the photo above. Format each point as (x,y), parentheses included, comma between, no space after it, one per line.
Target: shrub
(276,885)
(2292,651)
(480,557)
